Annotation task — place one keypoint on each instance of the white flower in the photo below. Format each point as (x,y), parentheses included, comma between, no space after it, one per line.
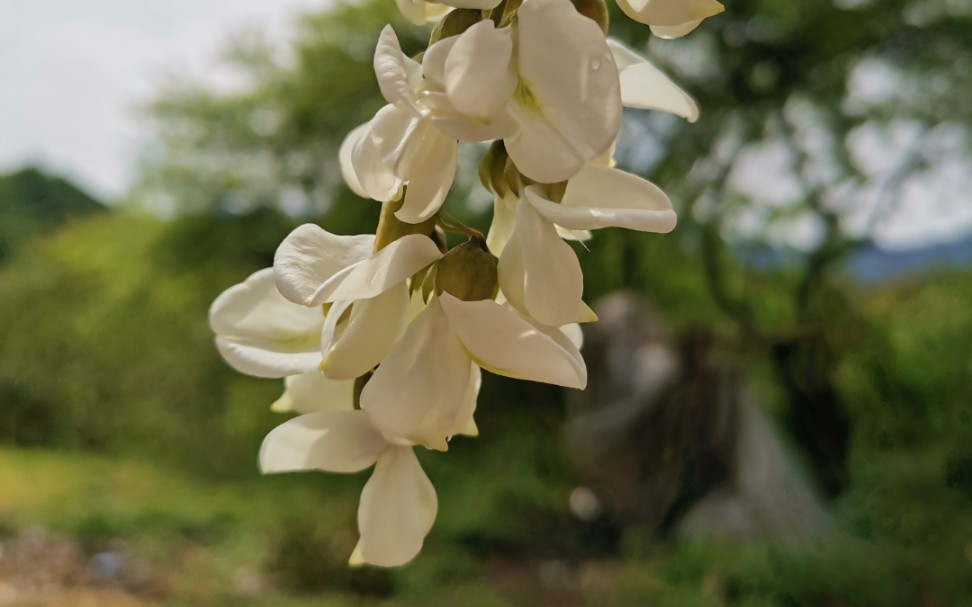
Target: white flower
(425,390)
(398,503)
(538,272)
(670,18)
(646,87)
(261,333)
(314,267)
(310,392)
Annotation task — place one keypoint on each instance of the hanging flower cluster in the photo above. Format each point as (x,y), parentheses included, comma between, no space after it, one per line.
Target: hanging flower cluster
(381,338)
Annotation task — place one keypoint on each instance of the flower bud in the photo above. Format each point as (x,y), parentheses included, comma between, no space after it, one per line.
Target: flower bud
(454,23)
(595,10)
(468,272)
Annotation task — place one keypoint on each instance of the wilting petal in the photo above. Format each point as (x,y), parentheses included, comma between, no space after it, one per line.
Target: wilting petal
(599,197)
(416,393)
(310,255)
(568,101)
(335,441)
(429,170)
(397,509)
(380,272)
(502,341)
(392,71)
(669,12)
(260,333)
(539,272)
(646,87)
(311,392)
(373,327)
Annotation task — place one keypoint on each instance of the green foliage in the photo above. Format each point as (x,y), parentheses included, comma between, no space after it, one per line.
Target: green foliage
(33,202)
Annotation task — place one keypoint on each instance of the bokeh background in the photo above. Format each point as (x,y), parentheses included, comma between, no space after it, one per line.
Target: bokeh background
(780,408)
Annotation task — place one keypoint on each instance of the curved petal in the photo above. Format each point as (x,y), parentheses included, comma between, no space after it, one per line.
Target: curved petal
(574,334)
(345,158)
(260,333)
(429,171)
(372,329)
(477,75)
(397,509)
(419,12)
(600,197)
(335,441)
(417,392)
(459,126)
(646,87)
(504,211)
(312,392)
(538,272)
(392,72)
(502,341)
(380,272)
(480,4)
(670,32)
(368,153)
(310,255)
(568,100)
(669,12)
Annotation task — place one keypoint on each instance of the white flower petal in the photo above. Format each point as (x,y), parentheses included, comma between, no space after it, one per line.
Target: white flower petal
(419,12)
(311,392)
(310,255)
(600,197)
(568,101)
(504,211)
(372,329)
(368,153)
(397,509)
(502,341)
(380,272)
(574,334)
(392,72)
(480,4)
(670,32)
(418,390)
(429,172)
(646,87)
(478,76)
(669,12)
(335,441)
(345,159)
(260,333)
(538,272)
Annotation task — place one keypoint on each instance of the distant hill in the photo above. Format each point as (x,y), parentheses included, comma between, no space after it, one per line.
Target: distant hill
(33,202)
(872,264)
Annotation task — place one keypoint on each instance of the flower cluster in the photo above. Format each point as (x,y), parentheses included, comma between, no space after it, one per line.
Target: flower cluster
(381,338)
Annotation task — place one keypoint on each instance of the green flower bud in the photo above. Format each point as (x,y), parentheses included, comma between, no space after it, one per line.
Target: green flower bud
(454,23)
(468,272)
(595,10)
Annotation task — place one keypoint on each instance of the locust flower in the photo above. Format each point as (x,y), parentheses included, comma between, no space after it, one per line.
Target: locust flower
(439,357)
(644,86)
(670,18)
(398,503)
(367,294)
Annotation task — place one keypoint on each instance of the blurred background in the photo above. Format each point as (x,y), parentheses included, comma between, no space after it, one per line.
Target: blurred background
(779,411)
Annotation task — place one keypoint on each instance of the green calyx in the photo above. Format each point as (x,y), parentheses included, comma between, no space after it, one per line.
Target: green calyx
(468,272)
(391,228)
(454,23)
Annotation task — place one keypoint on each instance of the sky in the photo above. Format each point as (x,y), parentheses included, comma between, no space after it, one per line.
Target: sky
(73,71)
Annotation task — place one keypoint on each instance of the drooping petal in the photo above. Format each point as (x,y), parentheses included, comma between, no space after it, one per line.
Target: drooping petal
(260,333)
(429,171)
(670,32)
(568,100)
(415,393)
(311,392)
(600,197)
(646,87)
(372,329)
(538,272)
(378,273)
(669,12)
(335,441)
(502,341)
(397,509)
(310,255)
